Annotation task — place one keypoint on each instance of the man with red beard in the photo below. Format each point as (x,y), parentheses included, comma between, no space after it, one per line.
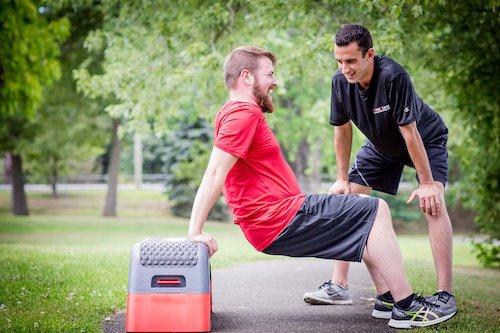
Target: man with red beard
(246,163)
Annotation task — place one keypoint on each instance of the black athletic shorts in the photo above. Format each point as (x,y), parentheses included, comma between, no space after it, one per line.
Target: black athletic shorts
(383,173)
(329,226)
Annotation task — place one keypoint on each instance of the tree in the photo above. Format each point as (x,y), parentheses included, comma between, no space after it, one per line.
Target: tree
(163,61)
(470,74)
(185,153)
(68,132)
(29,51)
(69,127)
(459,51)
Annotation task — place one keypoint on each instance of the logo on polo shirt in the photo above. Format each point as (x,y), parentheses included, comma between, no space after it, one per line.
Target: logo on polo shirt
(381,109)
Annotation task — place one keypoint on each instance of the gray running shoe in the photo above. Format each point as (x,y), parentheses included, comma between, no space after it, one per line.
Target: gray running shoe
(382,308)
(328,293)
(420,313)
(443,299)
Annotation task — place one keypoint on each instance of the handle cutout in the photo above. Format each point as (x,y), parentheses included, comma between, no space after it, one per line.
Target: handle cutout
(168,281)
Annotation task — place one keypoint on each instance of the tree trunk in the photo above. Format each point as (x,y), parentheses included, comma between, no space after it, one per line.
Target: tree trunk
(7,169)
(19,205)
(53,179)
(110,205)
(307,167)
(315,168)
(138,160)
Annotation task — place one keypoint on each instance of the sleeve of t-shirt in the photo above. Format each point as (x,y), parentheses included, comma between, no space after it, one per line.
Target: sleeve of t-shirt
(338,116)
(236,133)
(403,100)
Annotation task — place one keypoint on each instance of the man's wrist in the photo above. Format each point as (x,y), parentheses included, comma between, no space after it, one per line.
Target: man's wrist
(342,178)
(193,233)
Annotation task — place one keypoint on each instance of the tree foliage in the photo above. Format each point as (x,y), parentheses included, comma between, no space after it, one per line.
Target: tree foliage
(185,152)
(459,37)
(29,51)
(69,127)
(163,62)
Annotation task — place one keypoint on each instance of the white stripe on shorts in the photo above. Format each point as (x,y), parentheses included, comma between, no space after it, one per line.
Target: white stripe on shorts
(356,167)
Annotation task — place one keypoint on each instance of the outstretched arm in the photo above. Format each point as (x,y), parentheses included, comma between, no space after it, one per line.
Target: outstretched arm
(427,191)
(210,188)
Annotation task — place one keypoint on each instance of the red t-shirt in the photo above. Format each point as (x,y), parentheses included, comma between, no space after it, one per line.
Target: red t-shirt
(260,189)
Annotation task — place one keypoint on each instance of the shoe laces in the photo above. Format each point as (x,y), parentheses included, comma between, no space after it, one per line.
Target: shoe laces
(326,284)
(443,296)
(419,298)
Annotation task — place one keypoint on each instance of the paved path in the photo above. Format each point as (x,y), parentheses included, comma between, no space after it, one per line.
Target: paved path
(267,297)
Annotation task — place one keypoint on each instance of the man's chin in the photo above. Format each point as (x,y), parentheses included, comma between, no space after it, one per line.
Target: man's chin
(265,101)
(268,106)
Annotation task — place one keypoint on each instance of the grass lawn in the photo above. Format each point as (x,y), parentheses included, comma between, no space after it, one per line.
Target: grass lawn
(65,268)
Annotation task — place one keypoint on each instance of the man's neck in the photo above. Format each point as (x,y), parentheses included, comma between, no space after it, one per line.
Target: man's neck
(365,83)
(238,96)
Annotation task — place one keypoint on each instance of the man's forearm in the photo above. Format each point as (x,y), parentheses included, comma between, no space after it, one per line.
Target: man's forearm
(211,185)
(418,155)
(342,140)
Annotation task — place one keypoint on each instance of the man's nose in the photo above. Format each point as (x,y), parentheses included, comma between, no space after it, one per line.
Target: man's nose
(344,68)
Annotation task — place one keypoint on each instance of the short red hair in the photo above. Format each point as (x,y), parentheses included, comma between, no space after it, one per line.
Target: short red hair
(244,57)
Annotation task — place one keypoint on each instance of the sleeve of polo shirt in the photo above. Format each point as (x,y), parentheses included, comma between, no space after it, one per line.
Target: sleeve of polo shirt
(338,116)
(236,133)
(403,100)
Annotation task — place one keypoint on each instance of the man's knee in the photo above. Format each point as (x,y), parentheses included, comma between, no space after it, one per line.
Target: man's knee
(443,212)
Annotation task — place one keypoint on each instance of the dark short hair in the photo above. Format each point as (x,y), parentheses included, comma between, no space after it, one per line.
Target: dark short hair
(349,33)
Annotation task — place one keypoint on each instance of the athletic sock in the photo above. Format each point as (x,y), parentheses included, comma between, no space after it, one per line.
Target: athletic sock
(404,304)
(387,297)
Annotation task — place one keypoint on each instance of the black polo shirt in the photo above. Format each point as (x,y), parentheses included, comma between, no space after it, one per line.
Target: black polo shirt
(389,102)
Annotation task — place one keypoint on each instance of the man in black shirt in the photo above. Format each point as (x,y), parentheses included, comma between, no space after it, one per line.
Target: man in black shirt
(376,94)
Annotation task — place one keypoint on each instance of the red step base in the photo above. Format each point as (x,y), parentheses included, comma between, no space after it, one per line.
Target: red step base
(168,313)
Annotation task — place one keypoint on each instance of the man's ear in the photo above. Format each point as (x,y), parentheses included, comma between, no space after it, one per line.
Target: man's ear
(246,76)
(370,53)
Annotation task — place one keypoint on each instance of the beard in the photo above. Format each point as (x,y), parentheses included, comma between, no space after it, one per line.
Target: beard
(264,100)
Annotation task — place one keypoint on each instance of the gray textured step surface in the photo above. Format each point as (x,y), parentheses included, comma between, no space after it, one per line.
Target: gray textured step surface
(267,297)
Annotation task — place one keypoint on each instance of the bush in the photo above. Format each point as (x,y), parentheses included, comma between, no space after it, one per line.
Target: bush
(488,252)
(185,158)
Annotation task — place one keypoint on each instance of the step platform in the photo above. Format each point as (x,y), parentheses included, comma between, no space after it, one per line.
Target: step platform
(169,288)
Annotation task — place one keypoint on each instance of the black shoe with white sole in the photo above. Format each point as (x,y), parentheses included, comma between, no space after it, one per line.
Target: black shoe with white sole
(382,308)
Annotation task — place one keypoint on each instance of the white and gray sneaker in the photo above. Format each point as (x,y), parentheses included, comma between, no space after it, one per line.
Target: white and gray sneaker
(420,313)
(328,293)
(444,300)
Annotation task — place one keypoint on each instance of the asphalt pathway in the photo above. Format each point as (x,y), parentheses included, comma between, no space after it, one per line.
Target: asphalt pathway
(267,297)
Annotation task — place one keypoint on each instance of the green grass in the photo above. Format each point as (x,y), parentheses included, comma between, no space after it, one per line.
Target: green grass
(65,268)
